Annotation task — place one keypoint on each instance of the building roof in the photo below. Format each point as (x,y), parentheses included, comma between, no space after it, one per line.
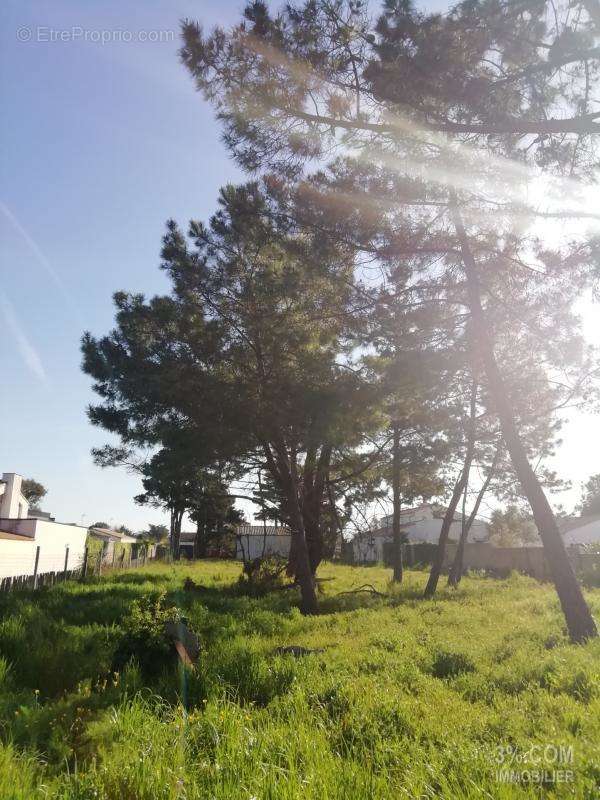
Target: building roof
(580,530)
(260,530)
(571,523)
(37,513)
(384,524)
(187,537)
(109,535)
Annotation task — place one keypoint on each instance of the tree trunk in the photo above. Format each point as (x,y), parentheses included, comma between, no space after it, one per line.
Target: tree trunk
(264,517)
(456,570)
(314,538)
(396,533)
(438,561)
(176,519)
(303,571)
(197,537)
(200,540)
(459,488)
(285,470)
(580,622)
(338,527)
(313,493)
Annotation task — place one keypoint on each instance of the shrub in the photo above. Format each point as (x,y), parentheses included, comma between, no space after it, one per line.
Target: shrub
(144,638)
(263,575)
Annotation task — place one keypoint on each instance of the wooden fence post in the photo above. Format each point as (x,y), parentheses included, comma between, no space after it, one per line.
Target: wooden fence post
(35,566)
(84,568)
(66,563)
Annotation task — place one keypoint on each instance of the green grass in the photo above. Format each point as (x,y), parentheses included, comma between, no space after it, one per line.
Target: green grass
(408,699)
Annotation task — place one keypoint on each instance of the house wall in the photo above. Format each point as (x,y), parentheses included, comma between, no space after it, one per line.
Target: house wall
(16,558)
(585,534)
(23,527)
(53,538)
(251,546)
(369,549)
(410,515)
(12,502)
(186,550)
(428,530)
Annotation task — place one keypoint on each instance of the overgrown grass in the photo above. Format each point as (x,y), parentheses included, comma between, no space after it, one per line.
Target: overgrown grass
(407,698)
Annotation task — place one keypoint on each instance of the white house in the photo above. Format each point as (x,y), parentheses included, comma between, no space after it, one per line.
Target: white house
(580,530)
(21,536)
(256,541)
(13,504)
(420,525)
(110,538)
(110,535)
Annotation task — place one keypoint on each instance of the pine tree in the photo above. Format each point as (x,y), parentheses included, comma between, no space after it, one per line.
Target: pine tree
(421,96)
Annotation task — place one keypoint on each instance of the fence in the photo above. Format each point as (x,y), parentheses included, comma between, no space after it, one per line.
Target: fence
(47,569)
(499,561)
(28,576)
(116,555)
(528,560)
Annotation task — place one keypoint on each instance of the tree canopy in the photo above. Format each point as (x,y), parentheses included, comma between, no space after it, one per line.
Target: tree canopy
(512,528)
(33,491)
(252,352)
(463,112)
(385,280)
(590,496)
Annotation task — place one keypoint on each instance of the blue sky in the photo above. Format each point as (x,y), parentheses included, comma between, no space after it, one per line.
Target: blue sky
(101,143)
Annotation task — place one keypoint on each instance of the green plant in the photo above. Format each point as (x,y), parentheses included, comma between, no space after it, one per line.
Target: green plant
(406,698)
(449,665)
(144,639)
(263,575)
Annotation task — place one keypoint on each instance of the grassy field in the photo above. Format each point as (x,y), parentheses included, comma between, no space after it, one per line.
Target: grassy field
(407,699)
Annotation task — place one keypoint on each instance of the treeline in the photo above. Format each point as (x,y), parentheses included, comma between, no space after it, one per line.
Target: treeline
(385,308)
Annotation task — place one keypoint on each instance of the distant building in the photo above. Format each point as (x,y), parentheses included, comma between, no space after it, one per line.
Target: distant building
(110,535)
(421,524)
(187,544)
(218,547)
(21,534)
(580,530)
(110,552)
(256,541)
